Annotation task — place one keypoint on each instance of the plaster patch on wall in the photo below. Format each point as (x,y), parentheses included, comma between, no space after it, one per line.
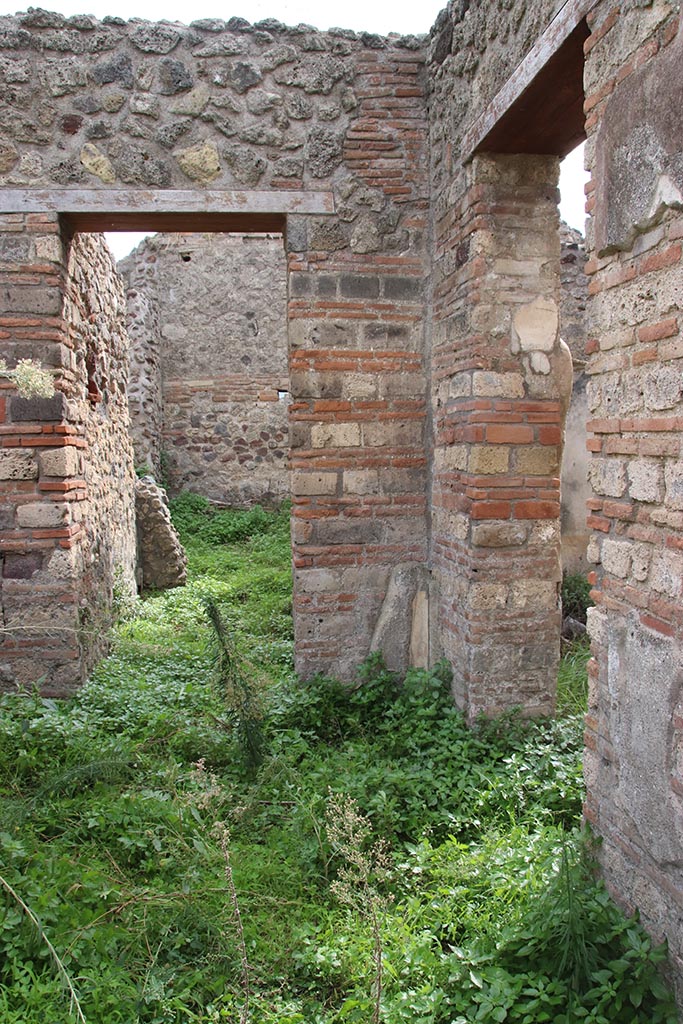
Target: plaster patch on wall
(535,327)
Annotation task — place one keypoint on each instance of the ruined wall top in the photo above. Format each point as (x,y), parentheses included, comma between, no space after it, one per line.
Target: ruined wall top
(114,103)
(477,46)
(505,31)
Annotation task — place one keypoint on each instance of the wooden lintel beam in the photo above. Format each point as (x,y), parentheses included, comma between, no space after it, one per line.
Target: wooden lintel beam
(240,223)
(561,28)
(139,203)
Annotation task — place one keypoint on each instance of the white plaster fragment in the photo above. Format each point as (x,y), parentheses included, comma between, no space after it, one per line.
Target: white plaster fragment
(536,325)
(540,363)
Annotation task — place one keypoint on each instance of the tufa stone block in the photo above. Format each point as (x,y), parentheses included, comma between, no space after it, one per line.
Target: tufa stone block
(17,465)
(41,515)
(486,384)
(608,477)
(646,480)
(499,535)
(489,459)
(314,483)
(335,435)
(61,462)
(200,163)
(537,460)
(616,557)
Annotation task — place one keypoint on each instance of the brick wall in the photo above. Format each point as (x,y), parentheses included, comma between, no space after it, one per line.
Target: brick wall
(358,425)
(501,386)
(634,756)
(65,468)
(500,377)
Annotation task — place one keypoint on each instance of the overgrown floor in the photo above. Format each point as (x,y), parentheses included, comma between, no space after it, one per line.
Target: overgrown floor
(195,837)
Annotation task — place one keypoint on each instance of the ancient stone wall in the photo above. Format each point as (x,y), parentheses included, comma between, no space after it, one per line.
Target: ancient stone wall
(294,112)
(634,756)
(144,371)
(488,238)
(162,562)
(220,318)
(95,314)
(234,106)
(66,467)
(574,477)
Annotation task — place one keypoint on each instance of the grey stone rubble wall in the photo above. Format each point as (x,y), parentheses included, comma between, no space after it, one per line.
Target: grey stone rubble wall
(96,392)
(162,563)
(163,105)
(221,350)
(575,490)
(574,292)
(473,49)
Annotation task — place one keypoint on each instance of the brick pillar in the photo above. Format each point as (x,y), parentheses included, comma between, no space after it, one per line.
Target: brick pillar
(357,453)
(501,385)
(358,418)
(40,462)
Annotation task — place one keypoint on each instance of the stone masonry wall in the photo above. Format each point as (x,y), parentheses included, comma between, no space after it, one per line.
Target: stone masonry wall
(574,476)
(221,322)
(144,361)
(66,471)
(227,105)
(200,306)
(634,758)
(95,315)
(633,121)
(233,106)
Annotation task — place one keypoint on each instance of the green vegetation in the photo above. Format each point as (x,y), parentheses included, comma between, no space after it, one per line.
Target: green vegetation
(576,599)
(202,839)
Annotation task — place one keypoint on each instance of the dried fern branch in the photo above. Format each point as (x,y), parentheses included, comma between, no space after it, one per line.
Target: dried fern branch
(74,1005)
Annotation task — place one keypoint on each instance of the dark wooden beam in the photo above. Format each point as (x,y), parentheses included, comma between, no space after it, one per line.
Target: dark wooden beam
(175,222)
(540,107)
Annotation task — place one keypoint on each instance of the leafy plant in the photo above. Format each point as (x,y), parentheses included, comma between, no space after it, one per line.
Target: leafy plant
(30,378)
(575,593)
(74,1004)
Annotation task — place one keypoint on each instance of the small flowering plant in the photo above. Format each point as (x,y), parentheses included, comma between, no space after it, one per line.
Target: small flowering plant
(30,378)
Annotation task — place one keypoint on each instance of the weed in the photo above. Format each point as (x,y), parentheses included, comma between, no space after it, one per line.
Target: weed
(572,679)
(238,691)
(223,834)
(362,869)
